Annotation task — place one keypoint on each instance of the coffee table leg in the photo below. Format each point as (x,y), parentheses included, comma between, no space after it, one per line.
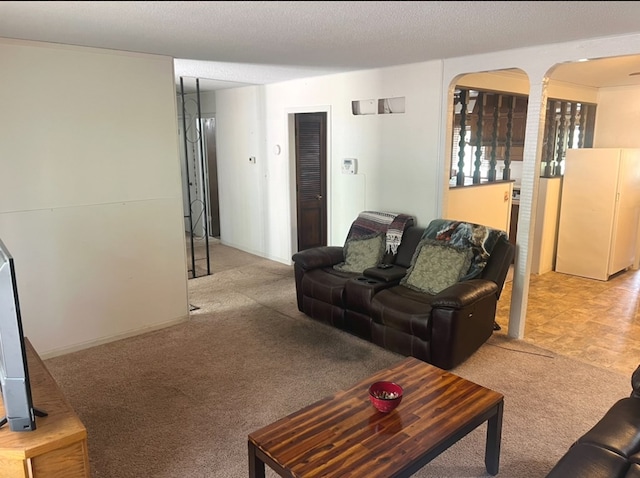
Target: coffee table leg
(494,436)
(256,465)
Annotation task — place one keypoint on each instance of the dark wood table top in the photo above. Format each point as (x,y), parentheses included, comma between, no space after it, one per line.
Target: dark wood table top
(344,435)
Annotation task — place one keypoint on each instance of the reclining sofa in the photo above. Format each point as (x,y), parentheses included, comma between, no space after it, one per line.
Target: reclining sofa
(611,448)
(412,302)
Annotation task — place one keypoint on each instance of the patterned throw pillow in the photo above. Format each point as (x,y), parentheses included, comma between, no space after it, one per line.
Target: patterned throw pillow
(362,253)
(436,265)
(481,239)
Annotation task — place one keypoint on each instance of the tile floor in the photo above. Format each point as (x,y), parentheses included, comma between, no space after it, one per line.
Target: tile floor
(590,320)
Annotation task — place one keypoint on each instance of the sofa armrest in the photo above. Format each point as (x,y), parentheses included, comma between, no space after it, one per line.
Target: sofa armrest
(462,319)
(462,294)
(316,257)
(635,383)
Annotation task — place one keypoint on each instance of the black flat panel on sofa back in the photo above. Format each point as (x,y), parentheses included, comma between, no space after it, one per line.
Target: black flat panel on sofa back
(410,239)
(499,262)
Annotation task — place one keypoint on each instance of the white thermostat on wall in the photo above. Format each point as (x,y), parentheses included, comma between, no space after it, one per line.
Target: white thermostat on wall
(349,166)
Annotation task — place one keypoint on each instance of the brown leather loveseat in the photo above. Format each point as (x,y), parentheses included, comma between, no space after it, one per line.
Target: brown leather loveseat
(382,305)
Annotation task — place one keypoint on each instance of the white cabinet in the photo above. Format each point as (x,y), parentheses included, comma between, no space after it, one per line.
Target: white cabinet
(599,212)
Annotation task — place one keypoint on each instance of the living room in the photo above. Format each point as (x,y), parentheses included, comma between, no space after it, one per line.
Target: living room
(252,195)
(93,211)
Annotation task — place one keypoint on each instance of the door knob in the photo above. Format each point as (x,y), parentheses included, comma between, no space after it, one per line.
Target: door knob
(318,197)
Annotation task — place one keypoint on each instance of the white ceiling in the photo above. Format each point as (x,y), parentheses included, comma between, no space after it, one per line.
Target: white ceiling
(259,42)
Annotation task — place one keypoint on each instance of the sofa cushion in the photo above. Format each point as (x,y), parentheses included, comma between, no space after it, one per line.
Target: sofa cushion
(400,308)
(618,429)
(633,471)
(362,253)
(436,265)
(326,285)
(590,461)
(481,239)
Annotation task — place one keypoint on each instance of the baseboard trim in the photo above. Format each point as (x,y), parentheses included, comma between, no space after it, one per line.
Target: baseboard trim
(260,254)
(112,338)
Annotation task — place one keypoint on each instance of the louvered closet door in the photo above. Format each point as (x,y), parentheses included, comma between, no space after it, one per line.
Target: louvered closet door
(311,181)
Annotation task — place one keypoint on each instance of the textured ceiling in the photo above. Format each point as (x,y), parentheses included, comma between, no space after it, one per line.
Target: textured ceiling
(263,42)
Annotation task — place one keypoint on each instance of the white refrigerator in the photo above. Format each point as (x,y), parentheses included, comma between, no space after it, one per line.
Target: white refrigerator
(599,212)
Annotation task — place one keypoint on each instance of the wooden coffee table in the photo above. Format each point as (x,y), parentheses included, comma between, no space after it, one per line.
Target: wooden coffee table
(343,435)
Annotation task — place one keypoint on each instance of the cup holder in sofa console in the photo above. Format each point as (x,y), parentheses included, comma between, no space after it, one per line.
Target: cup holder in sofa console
(359,291)
(367,280)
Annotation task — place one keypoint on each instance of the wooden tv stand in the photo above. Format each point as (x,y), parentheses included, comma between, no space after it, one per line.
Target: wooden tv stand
(57,448)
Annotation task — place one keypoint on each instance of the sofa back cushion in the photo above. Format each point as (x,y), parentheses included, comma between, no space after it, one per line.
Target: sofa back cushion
(499,263)
(410,240)
(437,265)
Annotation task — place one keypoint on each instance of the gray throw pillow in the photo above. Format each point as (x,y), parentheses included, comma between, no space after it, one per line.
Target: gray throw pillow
(436,265)
(361,253)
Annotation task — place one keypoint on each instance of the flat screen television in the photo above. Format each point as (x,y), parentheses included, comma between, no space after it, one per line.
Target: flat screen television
(14,371)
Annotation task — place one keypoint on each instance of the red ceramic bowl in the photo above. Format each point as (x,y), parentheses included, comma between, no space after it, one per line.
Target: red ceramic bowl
(385,396)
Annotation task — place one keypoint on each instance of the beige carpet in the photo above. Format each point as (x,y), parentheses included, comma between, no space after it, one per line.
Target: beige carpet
(180,402)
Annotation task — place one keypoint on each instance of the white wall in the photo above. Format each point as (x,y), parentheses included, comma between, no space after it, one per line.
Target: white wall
(207,103)
(90,203)
(242,204)
(397,153)
(511,81)
(569,91)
